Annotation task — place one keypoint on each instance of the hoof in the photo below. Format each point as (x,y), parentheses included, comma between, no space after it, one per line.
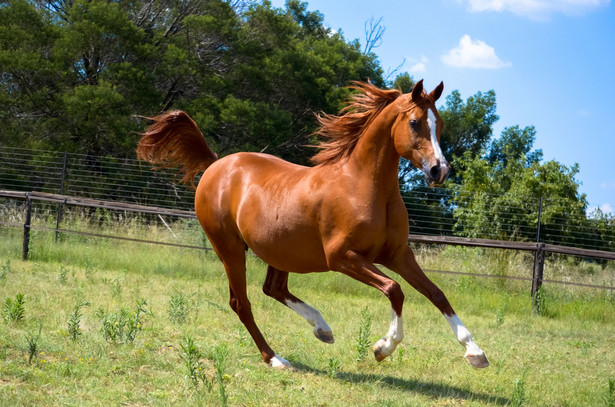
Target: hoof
(383,348)
(379,352)
(379,355)
(325,336)
(279,362)
(479,360)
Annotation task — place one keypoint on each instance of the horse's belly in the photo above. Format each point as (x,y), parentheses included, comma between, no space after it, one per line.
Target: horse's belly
(298,250)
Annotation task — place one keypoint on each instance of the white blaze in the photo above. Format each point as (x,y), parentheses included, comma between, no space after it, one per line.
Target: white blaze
(431,123)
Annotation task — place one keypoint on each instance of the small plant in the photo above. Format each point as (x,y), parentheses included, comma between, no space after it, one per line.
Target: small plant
(334,367)
(400,355)
(365,327)
(179,307)
(74,330)
(116,288)
(62,275)
(499,317)
(6,269)
(14,310)
(192,360)
(518,396)
(609,397)
(122,326)
(33,343)
(218,355)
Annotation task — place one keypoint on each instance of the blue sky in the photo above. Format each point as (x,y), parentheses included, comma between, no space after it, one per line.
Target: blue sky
(551,64)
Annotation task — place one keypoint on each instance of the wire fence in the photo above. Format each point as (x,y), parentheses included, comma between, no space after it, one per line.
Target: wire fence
(431,211)
(88,176)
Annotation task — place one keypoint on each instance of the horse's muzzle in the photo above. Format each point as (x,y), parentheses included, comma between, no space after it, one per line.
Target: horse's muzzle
(437,174)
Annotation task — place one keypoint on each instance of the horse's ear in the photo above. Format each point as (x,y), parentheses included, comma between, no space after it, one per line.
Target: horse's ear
(417,91)
(437,92)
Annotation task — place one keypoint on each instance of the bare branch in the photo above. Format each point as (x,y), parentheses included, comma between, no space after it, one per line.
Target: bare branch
(373,34)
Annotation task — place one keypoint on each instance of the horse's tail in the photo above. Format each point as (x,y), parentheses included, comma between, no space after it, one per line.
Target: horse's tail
(174,140)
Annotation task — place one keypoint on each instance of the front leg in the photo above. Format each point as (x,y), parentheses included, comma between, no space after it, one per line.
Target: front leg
(356,266)
(406,266)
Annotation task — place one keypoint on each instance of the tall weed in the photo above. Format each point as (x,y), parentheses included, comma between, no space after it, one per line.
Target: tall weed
(122,326)
(14,310)
(365,331)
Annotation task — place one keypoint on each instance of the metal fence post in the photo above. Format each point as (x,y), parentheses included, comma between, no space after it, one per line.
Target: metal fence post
(26,228)
(539,220)
(62,180)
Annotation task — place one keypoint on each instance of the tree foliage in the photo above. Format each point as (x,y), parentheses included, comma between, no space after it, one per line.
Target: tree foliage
(501,190)
(75,72)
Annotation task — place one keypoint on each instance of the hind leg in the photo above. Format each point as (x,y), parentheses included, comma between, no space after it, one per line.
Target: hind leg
(232,254)
(276,286)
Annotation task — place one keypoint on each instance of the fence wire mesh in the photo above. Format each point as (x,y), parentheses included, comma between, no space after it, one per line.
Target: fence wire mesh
(438,211)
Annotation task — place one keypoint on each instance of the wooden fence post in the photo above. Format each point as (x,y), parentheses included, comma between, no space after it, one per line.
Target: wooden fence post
(539,257)
(539,266)
(26,228)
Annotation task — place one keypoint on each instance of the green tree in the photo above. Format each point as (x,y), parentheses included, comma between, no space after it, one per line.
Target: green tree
(253,77)
(499,193)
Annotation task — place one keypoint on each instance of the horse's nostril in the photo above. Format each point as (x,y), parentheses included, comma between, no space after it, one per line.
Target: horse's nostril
(434,172)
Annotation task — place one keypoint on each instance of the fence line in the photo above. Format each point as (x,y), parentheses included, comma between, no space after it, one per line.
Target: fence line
(430,211)
(537,247)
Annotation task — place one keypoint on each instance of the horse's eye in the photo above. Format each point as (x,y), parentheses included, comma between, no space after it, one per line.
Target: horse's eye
(414,125)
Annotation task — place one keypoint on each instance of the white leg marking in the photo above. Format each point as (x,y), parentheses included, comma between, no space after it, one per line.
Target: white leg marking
(279,362)
(474,355)
(385,346)
(321,329)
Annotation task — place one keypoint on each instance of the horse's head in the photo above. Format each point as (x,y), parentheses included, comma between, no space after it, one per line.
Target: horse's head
(416,133)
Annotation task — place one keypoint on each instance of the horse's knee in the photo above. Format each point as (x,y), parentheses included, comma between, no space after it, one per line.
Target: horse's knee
(234,304)
(242,308)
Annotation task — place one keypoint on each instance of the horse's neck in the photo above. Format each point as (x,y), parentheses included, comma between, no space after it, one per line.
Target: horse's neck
(375,157)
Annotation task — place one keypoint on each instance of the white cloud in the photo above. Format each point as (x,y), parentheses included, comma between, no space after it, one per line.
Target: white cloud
(537,9)
(420,66)
(473,54)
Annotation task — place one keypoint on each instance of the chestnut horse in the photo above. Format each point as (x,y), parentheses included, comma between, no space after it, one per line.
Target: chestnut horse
(343,214)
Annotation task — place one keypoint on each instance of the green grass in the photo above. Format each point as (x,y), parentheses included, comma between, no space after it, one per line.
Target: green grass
(562,358)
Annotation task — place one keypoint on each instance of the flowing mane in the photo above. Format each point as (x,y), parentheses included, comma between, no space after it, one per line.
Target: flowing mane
(344,130)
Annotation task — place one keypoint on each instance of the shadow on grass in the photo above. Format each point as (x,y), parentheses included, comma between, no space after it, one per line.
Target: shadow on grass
(430,389)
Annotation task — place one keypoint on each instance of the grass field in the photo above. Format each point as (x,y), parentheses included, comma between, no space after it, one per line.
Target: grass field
(92,349)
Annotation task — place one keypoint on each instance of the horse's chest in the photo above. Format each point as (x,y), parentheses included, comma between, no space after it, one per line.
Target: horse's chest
(367,229)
